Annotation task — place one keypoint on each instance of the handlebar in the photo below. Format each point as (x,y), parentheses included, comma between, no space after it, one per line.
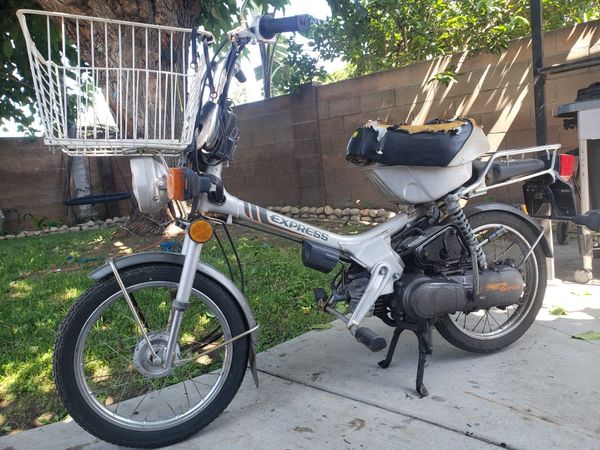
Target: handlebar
(269,26)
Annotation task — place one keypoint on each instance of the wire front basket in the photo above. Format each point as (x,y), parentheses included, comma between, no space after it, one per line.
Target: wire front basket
(108,87)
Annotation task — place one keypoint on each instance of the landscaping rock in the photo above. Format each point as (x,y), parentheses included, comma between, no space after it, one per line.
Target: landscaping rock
(364,212)
(345,211)
(53,229)
(354,218)
(337,212)
(22,234)
(328,210)
(2,238)
(303,210)
(108,221)
(36,233)
(295,210)
(64,228)
(75,229)
(286,209)
(116,219)
(91,223)
(10,236)
(365,219)
(381,212)
(312,210)
(322,216)
(320,210)
(373,213)
(354,211)
(390,214)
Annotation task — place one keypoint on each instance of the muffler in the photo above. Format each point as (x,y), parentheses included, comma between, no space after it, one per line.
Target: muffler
(423,297)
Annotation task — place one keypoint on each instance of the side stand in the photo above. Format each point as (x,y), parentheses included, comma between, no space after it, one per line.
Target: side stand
(422,330)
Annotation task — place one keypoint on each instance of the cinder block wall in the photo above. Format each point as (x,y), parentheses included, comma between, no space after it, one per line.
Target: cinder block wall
(32,181)
(292,147)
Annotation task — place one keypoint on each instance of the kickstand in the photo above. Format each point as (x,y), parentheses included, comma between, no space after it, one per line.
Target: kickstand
(424,338)
(385,363)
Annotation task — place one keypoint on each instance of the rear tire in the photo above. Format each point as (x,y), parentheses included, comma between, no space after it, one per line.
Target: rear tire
(110,383)
(454,327)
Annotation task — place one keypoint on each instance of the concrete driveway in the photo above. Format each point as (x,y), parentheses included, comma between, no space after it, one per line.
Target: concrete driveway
(323,390)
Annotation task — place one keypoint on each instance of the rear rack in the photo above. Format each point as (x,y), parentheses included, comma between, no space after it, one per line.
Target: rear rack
(479,186)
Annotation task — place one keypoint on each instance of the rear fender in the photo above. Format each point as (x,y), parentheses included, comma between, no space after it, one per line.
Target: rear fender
(204,269)
(472,210)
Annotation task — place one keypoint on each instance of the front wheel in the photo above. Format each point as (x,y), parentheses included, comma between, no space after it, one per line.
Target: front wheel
(109,379)
(491,329)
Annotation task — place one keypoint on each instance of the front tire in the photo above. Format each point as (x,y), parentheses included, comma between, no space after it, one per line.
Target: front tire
(489,330)
(111,384)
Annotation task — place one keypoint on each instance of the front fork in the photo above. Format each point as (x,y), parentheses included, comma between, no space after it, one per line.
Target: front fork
(192,251)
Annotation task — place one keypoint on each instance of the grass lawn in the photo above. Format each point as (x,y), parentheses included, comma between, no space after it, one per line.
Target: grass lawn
(40,277)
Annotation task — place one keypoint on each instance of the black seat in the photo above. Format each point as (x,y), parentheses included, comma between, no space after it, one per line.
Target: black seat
(435,144)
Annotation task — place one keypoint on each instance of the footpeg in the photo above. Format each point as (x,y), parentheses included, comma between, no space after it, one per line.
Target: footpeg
(370,339)
(590,219)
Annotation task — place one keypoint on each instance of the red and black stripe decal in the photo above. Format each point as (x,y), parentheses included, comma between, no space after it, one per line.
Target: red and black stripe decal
(256,213)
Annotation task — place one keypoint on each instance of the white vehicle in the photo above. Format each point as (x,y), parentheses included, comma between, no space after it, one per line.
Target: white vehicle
(157,348)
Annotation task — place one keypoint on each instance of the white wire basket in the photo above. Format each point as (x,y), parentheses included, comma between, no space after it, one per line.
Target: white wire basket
(109,88)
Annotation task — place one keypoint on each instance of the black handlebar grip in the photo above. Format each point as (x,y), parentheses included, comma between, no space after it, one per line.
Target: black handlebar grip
(269,27)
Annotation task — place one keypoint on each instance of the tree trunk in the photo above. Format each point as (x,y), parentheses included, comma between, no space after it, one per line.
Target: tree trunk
(81,185)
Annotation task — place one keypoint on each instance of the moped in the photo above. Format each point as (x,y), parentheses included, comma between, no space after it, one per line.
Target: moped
(157,348)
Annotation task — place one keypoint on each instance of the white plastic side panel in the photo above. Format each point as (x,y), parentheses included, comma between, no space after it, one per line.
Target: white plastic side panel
(476,145)
(411,185)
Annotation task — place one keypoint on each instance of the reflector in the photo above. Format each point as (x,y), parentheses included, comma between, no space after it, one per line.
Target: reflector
(566,165)
(200,231)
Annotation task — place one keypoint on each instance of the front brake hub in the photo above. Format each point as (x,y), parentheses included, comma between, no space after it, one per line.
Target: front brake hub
(145,362)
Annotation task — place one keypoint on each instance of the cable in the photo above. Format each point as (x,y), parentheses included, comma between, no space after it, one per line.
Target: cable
(264,230)
(224,255)
(237,257)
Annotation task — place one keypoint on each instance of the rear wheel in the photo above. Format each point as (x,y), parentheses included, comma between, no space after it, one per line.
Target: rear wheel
(491,329)
(109,379)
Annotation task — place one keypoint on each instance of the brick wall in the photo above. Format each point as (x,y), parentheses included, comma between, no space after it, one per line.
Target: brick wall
(32,181)
(292,147)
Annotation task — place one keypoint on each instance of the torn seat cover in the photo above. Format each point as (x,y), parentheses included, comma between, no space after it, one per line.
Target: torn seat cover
(433,144)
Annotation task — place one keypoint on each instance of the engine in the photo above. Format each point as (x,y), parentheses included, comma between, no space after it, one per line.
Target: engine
(439,278)
(427,297)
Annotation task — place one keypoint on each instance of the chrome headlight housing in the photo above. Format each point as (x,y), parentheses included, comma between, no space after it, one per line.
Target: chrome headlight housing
(149,182)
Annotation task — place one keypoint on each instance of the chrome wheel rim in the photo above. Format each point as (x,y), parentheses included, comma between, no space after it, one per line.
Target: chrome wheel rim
(164,402)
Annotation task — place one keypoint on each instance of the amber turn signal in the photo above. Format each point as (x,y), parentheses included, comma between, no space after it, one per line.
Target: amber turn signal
(175,184)
(200,231)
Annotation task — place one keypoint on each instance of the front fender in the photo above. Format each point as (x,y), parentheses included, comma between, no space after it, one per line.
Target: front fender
(481,207)
(204,269)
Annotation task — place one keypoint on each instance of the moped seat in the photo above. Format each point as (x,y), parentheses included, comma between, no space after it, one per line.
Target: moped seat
(433,144)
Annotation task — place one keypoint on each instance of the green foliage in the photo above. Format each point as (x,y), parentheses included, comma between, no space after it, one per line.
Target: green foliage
(375,35)
(295,69)
(17,98)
